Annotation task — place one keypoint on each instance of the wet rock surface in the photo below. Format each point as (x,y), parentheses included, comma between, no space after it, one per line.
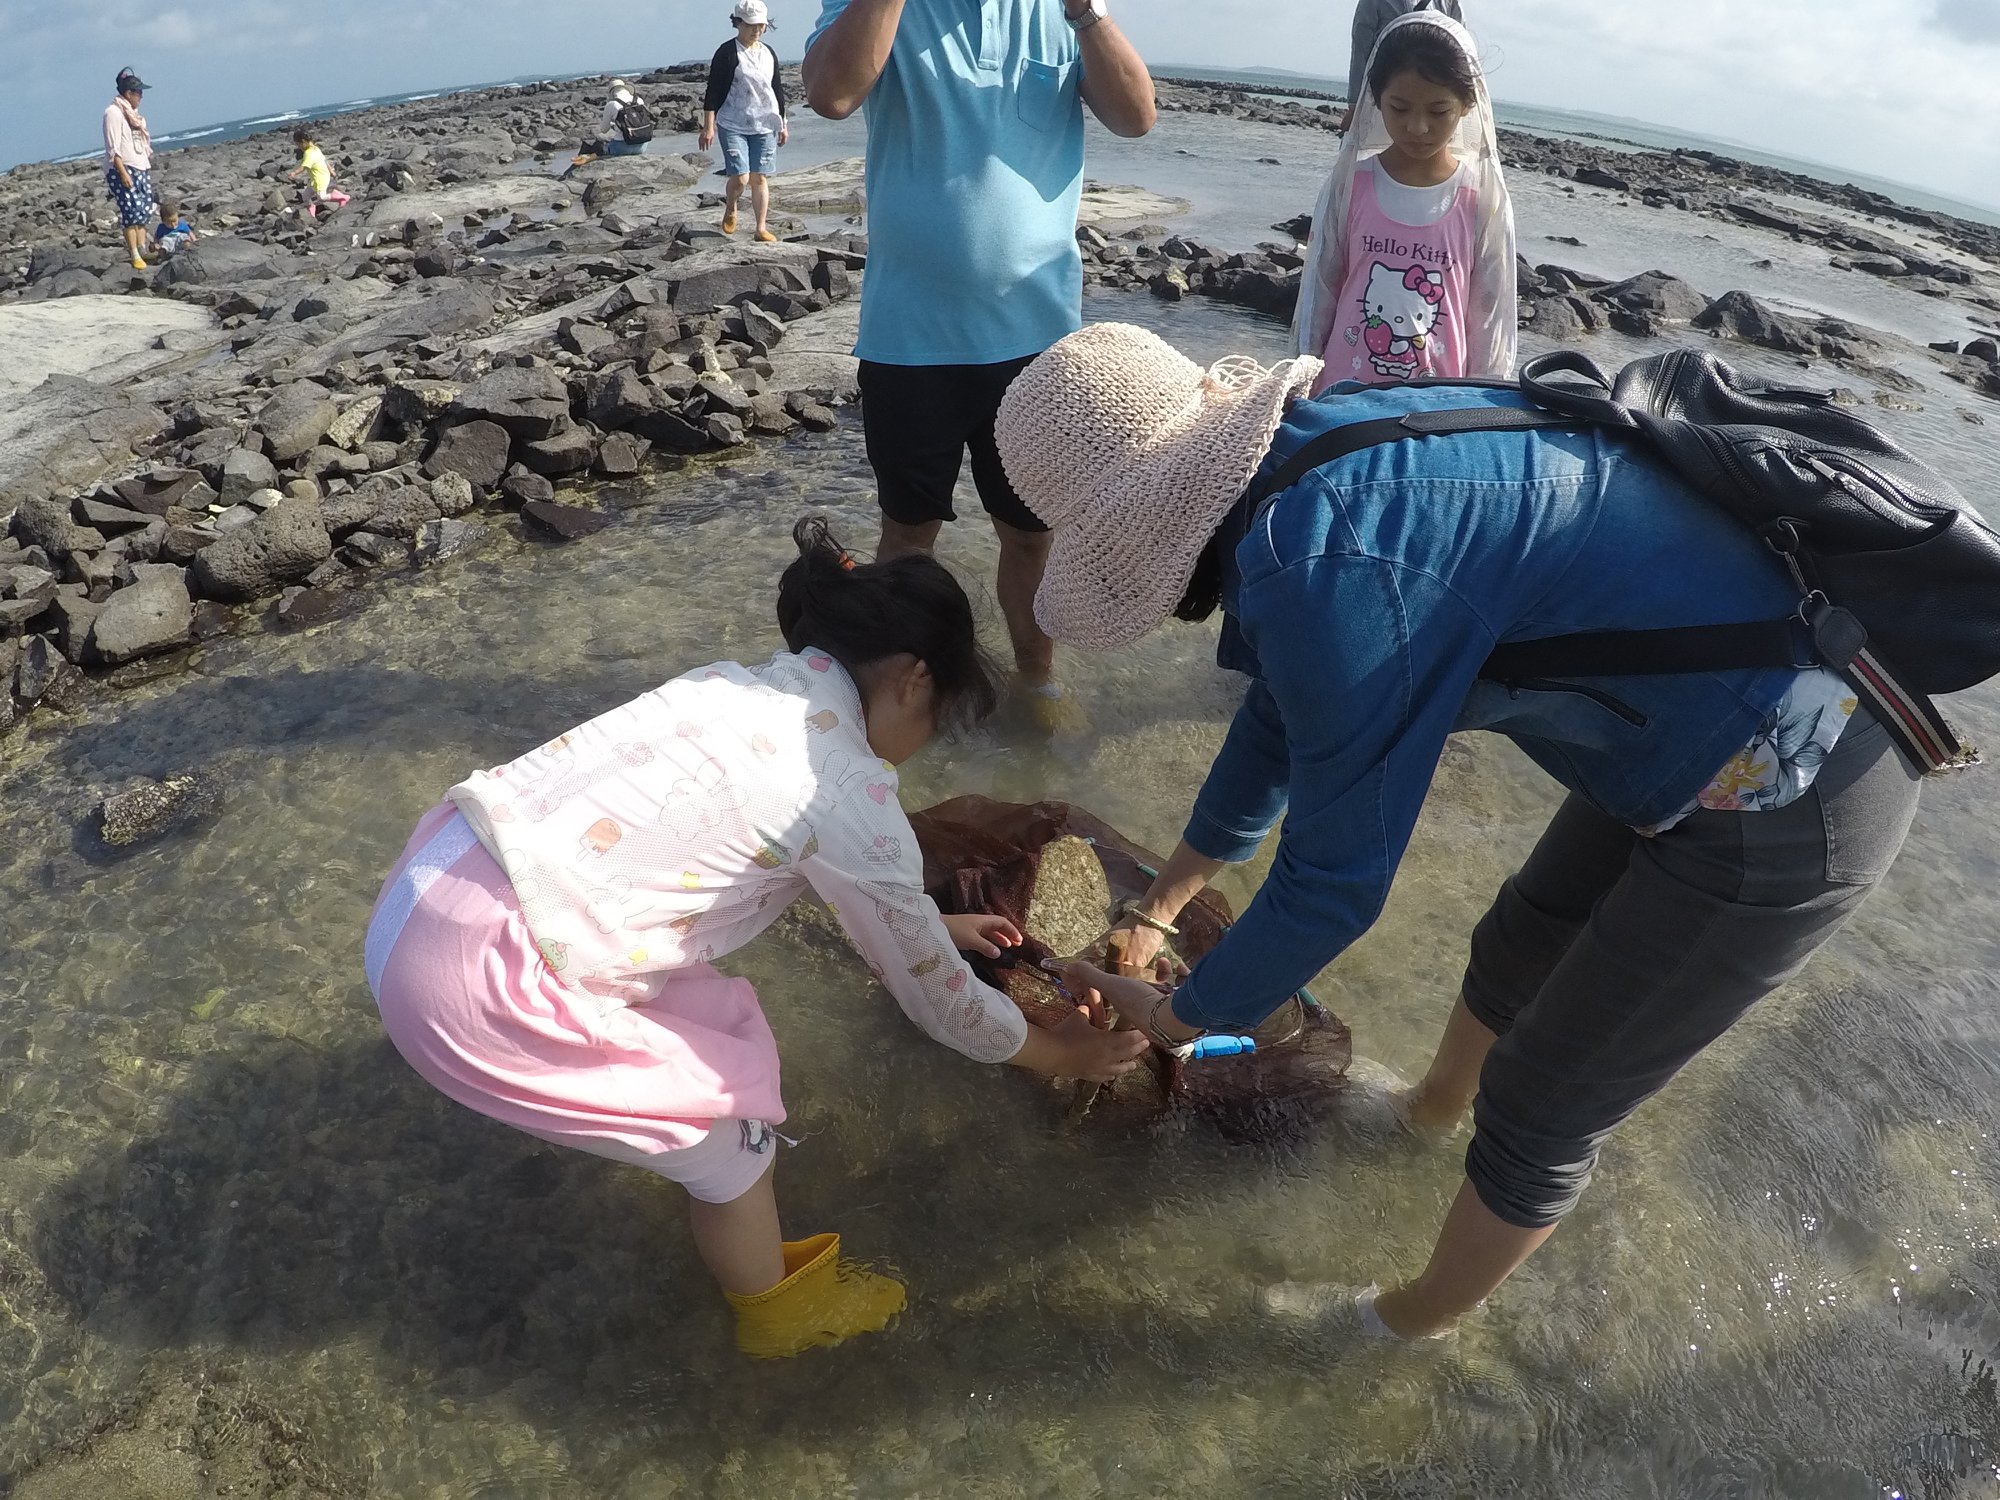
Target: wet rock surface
(485,326)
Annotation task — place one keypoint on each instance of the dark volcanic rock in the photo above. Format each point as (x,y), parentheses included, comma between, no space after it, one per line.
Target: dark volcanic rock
(436,260)
(295,419)
(300,607)
(244,472)
(529,403)
(567,522)
(1742,316)
(619,456)
(285,543)
(525,489)
(1658,293)
(440,541)
(403,514)
(567,452)
(47,523)
(151,614)
(620,399)
(217,259)
(44,675)
(477,450)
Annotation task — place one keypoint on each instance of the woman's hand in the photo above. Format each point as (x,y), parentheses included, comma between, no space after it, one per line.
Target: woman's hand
(1138,1002)
(707,137)
(1133,949)
(1087,1052)
(784,134)
(982,933)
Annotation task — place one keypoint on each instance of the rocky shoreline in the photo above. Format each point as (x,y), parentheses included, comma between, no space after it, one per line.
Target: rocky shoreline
(287,410)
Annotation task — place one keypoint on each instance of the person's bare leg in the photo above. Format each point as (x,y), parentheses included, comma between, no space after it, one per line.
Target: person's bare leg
(760,200)
(1475,1251)
(1023,556)
(898,540)
(739,1241)
(732,190)
(1441,1100)
(135,243)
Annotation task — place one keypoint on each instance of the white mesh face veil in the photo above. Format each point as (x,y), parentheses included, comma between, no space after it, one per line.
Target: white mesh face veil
(1490,346)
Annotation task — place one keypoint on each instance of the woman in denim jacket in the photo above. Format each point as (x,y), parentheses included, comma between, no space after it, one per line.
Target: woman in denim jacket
(1719,826)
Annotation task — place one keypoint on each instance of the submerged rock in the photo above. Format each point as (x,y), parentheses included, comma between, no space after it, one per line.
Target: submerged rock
(157,807)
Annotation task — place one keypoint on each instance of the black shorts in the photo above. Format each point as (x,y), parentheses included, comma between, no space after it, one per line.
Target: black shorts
(919,420)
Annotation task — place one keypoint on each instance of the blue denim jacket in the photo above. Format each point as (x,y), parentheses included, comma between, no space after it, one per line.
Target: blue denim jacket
(1364,600)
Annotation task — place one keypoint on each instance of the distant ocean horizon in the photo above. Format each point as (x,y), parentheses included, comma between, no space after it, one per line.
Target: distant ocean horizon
(1610,130)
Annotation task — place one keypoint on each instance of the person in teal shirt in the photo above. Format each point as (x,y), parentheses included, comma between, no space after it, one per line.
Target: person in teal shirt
(975,172)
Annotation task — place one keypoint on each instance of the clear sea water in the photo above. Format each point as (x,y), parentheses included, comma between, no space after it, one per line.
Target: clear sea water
(244,1251)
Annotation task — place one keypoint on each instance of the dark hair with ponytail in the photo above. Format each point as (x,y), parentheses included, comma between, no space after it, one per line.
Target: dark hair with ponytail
(864,612)
(1432,54)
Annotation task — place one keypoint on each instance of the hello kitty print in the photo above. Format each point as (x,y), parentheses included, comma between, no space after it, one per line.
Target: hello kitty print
(1403,303)
(675,828)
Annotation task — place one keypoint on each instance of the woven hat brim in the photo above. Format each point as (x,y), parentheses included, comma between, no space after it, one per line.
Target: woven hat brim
(1116,573)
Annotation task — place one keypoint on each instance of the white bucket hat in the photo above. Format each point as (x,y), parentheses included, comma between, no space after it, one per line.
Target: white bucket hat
(1133,454)
(751,13)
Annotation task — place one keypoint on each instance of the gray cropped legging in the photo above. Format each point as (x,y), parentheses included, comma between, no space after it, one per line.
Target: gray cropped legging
(1610,960)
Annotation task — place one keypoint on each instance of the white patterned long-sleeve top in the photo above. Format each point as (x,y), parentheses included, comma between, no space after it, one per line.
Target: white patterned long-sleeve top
(675,828)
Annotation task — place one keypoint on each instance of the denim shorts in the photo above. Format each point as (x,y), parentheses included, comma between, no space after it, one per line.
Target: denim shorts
(745,154)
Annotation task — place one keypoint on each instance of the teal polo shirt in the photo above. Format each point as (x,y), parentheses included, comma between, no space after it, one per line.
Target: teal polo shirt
(975,170)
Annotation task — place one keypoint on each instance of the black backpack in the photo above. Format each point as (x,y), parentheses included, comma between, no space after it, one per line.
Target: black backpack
(1898,577)
(635,123)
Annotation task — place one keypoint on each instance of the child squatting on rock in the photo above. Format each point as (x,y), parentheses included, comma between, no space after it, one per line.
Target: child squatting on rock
(173,232)
(542,951)
(1410,272)
(318,186)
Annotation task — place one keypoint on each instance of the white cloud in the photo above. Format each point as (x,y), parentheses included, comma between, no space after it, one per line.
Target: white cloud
(1895,88)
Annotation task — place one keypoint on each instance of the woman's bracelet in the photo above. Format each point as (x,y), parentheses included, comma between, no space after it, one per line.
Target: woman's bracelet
(1172,1044)
(1144,920)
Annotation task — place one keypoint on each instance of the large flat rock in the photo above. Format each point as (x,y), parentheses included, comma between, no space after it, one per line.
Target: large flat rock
(526,193)
(99,338)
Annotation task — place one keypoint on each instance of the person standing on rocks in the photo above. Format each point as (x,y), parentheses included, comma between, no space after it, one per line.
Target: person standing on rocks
(1410,270)
(745,108)
(128,164)
(1370,19)
(974,178)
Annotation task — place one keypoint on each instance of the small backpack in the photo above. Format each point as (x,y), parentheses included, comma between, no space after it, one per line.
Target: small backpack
(1898,576)
(635,123)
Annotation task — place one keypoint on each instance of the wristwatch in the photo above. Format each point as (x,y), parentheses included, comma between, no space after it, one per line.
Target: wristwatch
(1093,11)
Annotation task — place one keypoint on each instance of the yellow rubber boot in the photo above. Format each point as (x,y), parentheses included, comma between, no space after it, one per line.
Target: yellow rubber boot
(822,1300)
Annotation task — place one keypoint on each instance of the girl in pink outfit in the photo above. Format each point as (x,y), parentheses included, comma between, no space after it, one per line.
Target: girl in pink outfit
(1411,267)
(542,951)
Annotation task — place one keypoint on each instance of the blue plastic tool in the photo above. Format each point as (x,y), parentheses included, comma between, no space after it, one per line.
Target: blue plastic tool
(1217,1046)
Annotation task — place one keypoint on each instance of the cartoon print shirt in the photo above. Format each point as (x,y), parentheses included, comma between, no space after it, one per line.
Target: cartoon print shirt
(678,826)
(1404,307)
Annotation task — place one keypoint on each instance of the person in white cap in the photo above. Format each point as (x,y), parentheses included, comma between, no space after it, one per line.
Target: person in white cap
(624,125)
(1720,826)
(975,174)
(745,109)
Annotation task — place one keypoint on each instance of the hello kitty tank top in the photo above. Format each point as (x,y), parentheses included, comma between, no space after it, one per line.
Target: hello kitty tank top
(1403,302)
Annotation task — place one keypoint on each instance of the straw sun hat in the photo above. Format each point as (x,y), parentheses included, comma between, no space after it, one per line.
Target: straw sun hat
(1133,454)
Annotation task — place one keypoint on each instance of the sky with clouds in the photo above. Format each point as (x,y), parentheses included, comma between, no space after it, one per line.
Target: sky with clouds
(1903,89)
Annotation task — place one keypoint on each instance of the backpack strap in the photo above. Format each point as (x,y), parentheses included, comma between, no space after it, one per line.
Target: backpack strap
(1338,442)
(1820,634)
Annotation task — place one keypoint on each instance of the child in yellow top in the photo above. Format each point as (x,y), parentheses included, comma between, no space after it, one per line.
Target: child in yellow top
(318,186)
